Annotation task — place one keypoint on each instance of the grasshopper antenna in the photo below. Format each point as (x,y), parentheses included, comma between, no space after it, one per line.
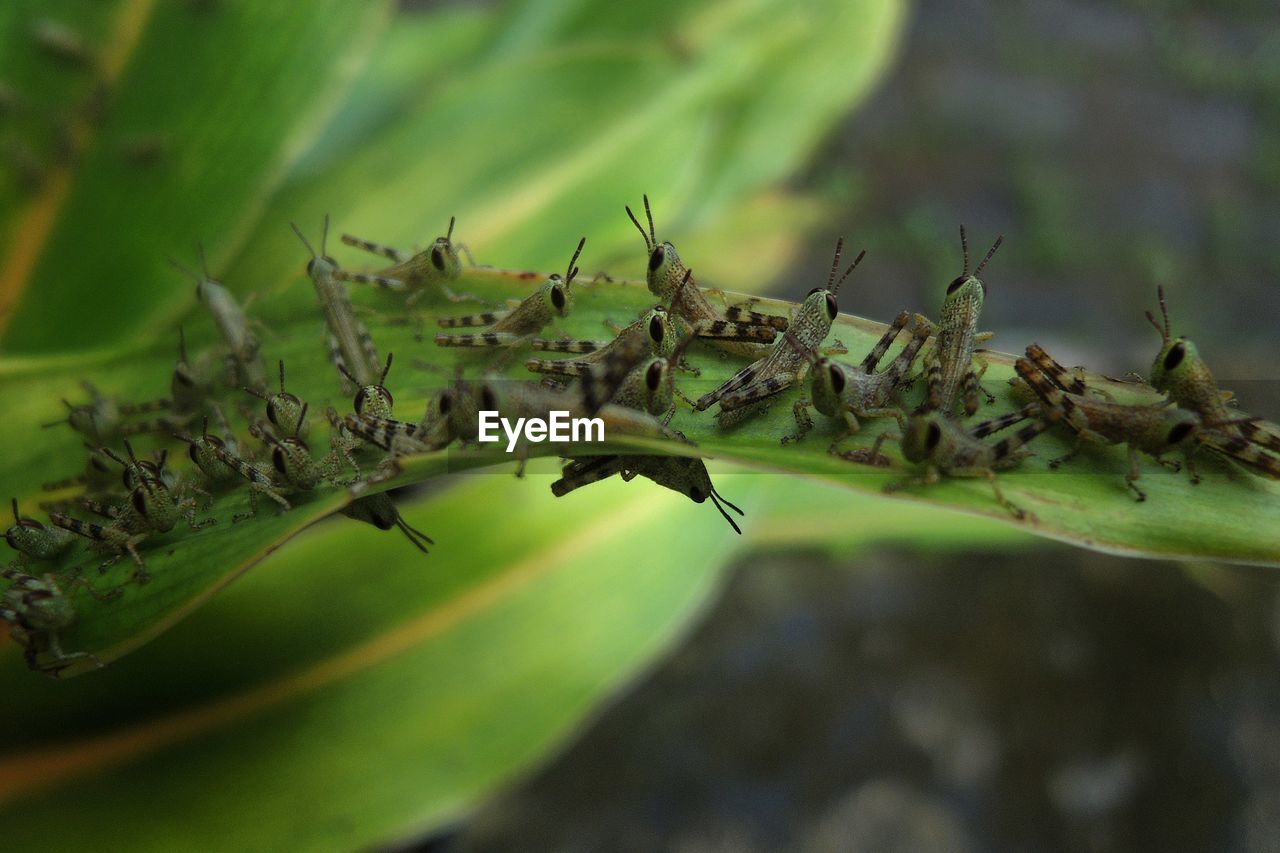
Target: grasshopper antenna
(648,244)
(717,499)
(572,271)
(990,252)
(1164,311)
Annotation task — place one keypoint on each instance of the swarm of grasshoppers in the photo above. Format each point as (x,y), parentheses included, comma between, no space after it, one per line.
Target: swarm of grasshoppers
(631,381)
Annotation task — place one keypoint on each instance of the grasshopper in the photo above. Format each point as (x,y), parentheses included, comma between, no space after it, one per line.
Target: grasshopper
(371,401)
(244,352)
(1154,430)
(414,274)
(684,474)
(1180,372)
(98,476)
(654,327)
(671,281)
(296,470)
(151,508)
(787,362)
(380,511)
(351,347)
(101,419)
(846,393)
(208,452)
(37,611)
(188,394)
(219,459)
(550,302)
(942,446)
(949,366)
(283,407)
(451,415)
(36,542)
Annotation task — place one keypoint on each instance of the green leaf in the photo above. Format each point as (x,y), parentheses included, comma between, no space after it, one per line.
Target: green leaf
(95,232)
(1226,517)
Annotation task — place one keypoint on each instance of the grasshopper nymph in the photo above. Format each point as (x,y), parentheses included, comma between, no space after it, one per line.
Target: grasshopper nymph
(1180,372)
(1154,430)
(350,344)
(949,366)
(737,330)
(845,392)
(786,364)
(550,302)
(414,274)
(244,352)
(943,447)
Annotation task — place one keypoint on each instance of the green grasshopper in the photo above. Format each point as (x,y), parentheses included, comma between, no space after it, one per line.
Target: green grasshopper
(414,274)
(671,281)
(36,542)
(653,326)
(244,352)
(788,361)
(380,511)
(101,420)
(684,474)
(949,371)
(1182,374)
(208,452)
(188,394)
(351,347)
(943,447)
(845,392)
(451,414)
(283,408)
(216,458)
(1154,430)
(37,611)
(296,470)
(151,509)
(550,302)
(97,478)
(371,401)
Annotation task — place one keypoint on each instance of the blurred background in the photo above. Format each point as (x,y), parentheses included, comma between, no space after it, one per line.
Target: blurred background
(948,686)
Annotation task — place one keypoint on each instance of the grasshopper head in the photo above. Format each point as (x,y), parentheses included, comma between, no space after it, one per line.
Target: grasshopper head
(967,288)
(922,436)
(444,256)
(557,298)
(826,386)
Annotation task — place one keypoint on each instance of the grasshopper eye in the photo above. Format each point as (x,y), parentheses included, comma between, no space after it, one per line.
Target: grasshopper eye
(98,465)
(311,267)
(955,285)
(557,298)
(657,257)
(833,307)
(657,331)
(932,436)
(358,403)
(696,495)
(1180,432)
(446,403)
(837,378)
(139,502)
(437,258)
(653,376)
(487,399)
(277,460)
(1176,354)
(382,522)
(194,453)
(184,379)
(815,290)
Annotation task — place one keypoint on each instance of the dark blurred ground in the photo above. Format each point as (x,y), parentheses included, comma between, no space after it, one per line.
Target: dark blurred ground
(977,702)
(1053,700)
